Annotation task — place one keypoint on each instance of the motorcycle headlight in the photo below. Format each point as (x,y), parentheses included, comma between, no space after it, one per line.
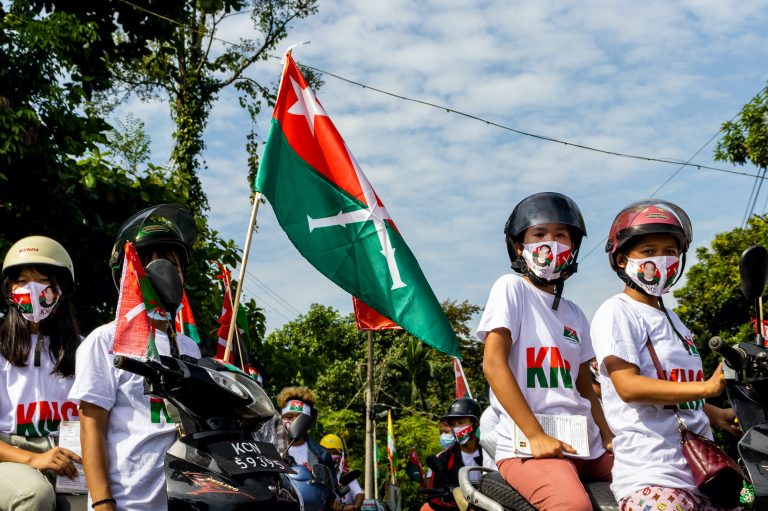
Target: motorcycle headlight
(232,385)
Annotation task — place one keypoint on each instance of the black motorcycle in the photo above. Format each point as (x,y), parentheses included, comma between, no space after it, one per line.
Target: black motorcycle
(227,458)
(746,373)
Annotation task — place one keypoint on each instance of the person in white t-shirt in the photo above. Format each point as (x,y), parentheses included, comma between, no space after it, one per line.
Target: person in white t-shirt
(649,467)
(353,499)
(38,340)
(536,359)
(125,433)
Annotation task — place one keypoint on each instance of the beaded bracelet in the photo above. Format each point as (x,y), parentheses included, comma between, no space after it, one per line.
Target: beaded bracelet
(103,501)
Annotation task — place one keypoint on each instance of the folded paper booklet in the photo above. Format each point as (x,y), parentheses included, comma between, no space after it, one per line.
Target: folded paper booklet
(571,429)
(69,438)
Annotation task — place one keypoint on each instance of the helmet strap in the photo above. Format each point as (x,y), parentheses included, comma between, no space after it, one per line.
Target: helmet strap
(677,333)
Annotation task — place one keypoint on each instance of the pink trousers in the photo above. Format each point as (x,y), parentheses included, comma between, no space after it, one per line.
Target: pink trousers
(554,484)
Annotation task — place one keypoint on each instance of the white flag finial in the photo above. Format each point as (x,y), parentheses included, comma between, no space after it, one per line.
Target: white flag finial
(291,47)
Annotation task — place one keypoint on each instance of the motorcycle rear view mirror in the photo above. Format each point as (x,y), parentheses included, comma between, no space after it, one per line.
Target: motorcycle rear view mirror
(299,427)
(753,269)
(323,475)
(167,284)
(348,477)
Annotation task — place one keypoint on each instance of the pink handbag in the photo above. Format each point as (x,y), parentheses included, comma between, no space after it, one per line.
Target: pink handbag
(715,473)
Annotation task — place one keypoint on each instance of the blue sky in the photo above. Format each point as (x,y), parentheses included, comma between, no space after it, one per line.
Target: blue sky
(653,78)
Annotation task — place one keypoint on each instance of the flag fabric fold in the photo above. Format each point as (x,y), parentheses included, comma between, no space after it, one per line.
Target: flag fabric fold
(333,216)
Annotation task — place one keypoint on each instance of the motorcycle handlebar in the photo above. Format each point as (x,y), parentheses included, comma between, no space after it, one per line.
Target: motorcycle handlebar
(734,356)
(134,366)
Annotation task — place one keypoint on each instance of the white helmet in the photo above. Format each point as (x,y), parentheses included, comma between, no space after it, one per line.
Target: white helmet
(43,251)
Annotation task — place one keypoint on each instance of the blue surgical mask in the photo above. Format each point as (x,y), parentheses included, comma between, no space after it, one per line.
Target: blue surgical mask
(446,440)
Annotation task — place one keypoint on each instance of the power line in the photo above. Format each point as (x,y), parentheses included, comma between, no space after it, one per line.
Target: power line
(472,116)
(675,173)
(272,293)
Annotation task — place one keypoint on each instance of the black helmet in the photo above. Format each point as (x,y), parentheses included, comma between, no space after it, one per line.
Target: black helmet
(163,226)
(544,208)
(464,407)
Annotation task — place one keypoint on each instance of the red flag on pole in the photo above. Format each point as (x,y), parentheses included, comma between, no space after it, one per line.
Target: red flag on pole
(462,386)
(368,319)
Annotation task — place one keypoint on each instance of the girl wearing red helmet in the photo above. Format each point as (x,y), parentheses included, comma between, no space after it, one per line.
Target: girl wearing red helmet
(536,359)
(646,248)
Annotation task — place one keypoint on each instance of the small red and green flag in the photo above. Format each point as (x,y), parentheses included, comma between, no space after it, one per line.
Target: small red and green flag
(185,321)
(238,356)
(333,216)
(137,303)
(462,386)
(571,334)
(414,469)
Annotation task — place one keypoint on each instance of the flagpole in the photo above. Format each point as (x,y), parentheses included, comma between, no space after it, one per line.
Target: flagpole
(243,262)
(466,382)
(369,438)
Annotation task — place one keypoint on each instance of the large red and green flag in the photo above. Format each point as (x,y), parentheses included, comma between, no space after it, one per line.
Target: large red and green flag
(134,333)
(336,220)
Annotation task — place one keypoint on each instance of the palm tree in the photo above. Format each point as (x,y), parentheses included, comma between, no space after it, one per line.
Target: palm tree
(417,364)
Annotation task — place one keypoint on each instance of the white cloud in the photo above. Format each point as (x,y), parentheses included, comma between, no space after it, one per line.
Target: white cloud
(653,78)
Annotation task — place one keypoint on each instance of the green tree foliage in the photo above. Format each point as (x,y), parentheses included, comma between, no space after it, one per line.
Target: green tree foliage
(194,65)
(325,351)
(746,140)
(58,174)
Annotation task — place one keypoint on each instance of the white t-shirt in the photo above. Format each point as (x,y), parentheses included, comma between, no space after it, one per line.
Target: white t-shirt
(548,347)
(32,400)
(354,491)
(468,460)
(647,444)
(139,430)
(300,454)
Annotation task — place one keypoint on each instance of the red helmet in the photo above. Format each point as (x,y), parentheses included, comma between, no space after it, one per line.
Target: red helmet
(649,216)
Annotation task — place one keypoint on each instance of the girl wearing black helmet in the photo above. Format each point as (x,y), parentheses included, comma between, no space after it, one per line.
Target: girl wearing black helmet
(646,248)
(38,340)
(536,358)
(124,432)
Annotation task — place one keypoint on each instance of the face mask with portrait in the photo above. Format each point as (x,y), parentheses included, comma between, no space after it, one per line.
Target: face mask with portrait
(446,440)
(654,275)
(36,301)
(547,259)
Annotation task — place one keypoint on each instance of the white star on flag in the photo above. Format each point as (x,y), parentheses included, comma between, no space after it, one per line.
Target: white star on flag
(306,105)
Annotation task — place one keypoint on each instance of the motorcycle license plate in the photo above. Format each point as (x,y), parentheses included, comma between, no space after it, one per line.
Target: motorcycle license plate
(247,457)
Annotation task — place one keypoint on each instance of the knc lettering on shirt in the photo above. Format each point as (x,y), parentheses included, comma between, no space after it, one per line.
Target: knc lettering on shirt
(679,374)
(49,415)
(559,368)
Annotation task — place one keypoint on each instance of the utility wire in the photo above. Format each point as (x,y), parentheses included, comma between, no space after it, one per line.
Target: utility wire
(682,166)
(272,293)
(472,116)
